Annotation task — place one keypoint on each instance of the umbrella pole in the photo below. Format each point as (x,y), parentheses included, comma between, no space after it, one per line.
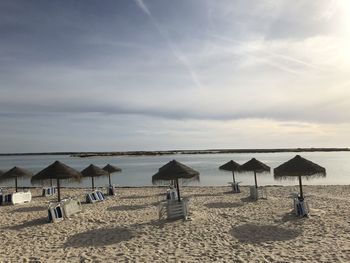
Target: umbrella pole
(58,191)
(16,184)
(301,188)
(92,183)
(178,190)
(256,183)
(51,183)
(233,176)
(110,181)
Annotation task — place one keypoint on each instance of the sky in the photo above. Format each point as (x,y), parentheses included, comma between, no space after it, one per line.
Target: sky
(124,75)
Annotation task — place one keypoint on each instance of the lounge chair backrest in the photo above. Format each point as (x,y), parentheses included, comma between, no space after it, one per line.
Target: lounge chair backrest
(55,212)
(171,194)
(18,198)
(95,196)
(111,190)
(71,206)
(48,191)
(258,193)
(301,208)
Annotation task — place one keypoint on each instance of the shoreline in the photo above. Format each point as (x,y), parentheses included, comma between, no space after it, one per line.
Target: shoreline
(171,152)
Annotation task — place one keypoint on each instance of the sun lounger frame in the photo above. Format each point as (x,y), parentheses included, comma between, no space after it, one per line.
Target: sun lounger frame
(16,198)
(55,212)
(49,191)
(235,187)
(173,209)
(111,190)
(95,196)
(301,207)
(258,193)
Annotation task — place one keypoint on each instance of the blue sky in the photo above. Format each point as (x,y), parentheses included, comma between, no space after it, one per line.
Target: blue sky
(162,74)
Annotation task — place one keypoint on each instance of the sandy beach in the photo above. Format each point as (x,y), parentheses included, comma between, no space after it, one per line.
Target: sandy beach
(224,227)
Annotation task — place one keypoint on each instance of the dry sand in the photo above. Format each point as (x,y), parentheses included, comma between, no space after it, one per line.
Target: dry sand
(225,227)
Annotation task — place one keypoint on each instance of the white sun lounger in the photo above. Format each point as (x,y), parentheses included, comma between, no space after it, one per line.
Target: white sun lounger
(171,194)
(95,196)
(70,206)
(301,208)
(235,187)
(258,193)
(16,198)
(55,212)
(58,211)
(173,209)
(111,190)
(48,191)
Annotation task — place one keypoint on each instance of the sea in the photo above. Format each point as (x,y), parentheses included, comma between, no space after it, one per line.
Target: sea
(138,170)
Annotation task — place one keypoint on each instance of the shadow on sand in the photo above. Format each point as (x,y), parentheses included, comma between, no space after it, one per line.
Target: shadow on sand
(126,207)
(99,237)
(30,223)
(30,209)
(223,205)
(251,233)
(248,199)
(292,217)
(204,195)
(137,196)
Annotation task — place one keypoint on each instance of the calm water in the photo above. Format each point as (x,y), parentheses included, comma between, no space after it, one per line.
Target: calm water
(137,171)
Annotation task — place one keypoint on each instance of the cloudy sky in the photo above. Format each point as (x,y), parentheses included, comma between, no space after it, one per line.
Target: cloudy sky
(161,74)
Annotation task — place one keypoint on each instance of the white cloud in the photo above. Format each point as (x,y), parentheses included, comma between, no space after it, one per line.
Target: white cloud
(282,76)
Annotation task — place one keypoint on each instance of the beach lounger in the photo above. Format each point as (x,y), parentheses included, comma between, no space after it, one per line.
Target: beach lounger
(70,206)
(173,209)
(55,212)
(301,208)
(95,196)
(171,194)
(258,193)
(235,187)
(111,190)
(7,199)
(16,198)
(48,191)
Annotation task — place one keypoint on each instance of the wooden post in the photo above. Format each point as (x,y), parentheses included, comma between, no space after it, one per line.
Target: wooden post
(109,177)
(256,183)
(233,176)
(58,190)
(178,190)
(16,183)
(92,183)
(301,188)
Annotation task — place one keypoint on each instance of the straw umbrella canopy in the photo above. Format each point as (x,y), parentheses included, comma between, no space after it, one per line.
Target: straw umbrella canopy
(58,171)
(298,167)
(173,171)
(231,166)
(255,166)
(111,169)
(15,173)
(93,171)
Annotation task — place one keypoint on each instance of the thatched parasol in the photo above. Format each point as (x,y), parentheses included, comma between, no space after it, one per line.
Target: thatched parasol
(93,171)
(255,166)
(14,173)
(175,170)
(298,167)
(111,169)
(58,171)
(231,166)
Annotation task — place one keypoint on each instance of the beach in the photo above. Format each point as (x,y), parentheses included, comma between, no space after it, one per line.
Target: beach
(223,227)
